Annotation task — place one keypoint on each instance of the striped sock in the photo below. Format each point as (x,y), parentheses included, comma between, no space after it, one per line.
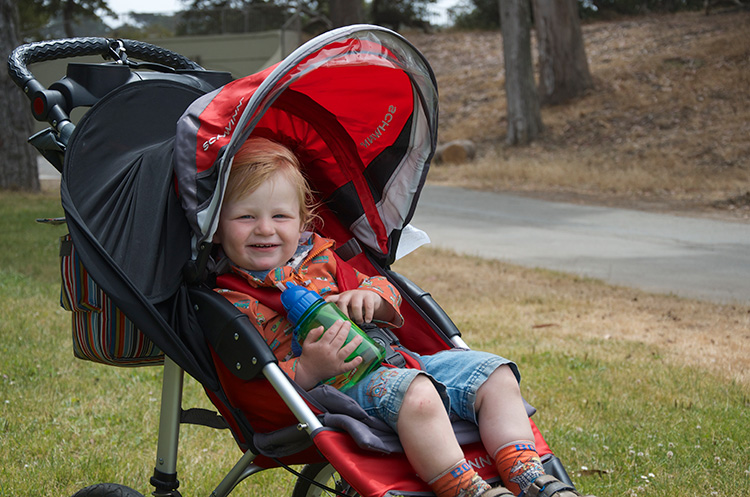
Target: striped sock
(459,481)
(518,465)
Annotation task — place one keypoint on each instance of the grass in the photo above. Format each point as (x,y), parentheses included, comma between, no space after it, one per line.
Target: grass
(627,414)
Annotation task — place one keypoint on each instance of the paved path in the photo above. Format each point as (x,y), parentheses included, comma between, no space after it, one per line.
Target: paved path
(697,258)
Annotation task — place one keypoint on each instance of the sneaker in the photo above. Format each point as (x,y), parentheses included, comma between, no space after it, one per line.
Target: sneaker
(499,491)
(549,486)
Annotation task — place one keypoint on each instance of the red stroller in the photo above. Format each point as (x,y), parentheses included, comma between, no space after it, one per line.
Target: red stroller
(142,194)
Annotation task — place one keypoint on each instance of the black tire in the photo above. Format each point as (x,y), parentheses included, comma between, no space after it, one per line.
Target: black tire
(324,474)
(107,490)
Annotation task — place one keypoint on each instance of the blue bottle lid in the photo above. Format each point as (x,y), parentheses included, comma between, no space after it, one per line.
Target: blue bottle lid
(297,300)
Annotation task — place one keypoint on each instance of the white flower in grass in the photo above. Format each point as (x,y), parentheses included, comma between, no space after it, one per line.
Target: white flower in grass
(670,454)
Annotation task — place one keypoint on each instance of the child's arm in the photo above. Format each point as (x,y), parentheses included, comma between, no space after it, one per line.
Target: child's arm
(325,356)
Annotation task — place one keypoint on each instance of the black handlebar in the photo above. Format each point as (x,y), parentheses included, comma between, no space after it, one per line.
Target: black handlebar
(23,56)
(90,82)
(53,105)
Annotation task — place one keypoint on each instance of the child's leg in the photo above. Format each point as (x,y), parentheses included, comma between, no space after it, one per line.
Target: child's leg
(505,430)
(501,414)
(426,434)
(425,431)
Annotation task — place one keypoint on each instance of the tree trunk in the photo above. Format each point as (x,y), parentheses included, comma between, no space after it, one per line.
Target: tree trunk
(563,68)
(524,116)
(67,15)
(345,12)
(18,168)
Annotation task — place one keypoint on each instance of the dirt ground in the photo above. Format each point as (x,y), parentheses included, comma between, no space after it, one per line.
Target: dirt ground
(665,127)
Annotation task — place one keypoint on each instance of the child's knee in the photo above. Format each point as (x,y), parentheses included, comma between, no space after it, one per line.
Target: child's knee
(421,398)
(503,379)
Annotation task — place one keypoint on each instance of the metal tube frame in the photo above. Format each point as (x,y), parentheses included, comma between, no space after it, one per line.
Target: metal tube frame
(169,427)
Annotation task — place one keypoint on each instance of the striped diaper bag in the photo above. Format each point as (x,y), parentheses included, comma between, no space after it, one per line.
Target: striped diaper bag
(101,332)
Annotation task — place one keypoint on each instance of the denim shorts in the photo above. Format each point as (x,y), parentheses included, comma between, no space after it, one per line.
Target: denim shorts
(456,373)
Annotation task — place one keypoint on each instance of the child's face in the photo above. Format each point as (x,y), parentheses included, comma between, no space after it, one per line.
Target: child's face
(261,231)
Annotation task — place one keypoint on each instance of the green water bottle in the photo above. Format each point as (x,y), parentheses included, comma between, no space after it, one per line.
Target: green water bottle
(307,310)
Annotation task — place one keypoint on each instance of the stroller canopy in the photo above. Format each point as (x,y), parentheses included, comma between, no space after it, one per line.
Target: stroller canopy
(357,105)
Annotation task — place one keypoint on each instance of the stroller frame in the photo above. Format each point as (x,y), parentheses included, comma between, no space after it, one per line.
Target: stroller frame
(53,105)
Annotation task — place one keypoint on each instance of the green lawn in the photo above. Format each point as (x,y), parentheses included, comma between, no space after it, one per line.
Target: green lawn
(623,420)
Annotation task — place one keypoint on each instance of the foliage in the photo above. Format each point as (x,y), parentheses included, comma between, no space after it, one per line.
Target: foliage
(484,14)
(231,16)
(476,14)
(36,14)
(32,17)
(147,26)
(599,8)
(237,16)
(395,14)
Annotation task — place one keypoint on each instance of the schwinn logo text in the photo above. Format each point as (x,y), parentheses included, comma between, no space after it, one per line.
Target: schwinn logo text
(381,128)
(227,129)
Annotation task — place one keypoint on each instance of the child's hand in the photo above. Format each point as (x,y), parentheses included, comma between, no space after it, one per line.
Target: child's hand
(361,306)
(325,356)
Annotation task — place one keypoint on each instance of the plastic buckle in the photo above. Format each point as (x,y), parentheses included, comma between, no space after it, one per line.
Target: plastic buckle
(117,51)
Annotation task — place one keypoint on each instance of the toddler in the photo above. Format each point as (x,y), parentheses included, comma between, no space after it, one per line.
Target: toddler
(267,207)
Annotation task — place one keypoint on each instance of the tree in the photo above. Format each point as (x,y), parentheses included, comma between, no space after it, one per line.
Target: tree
(395,14)
(563,68)
(345,12)
(524,116)
(476,14)
(18,169)
(34,12)
(235,16)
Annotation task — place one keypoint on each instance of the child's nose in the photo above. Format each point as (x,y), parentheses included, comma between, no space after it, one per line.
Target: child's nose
(264,227)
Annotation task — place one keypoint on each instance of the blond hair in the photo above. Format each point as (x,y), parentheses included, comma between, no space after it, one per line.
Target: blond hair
(257,160)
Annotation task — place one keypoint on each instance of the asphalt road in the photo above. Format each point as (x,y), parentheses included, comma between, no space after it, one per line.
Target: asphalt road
(690,257)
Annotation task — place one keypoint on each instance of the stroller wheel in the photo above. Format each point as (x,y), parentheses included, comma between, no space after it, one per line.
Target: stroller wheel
(322,474)
(107,490)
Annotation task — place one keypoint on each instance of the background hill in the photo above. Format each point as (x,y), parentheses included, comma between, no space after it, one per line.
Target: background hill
(665,128)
